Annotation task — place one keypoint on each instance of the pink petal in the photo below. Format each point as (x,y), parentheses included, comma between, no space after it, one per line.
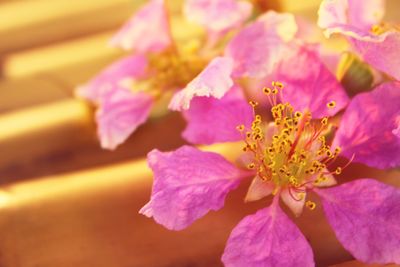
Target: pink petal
(383,54)
(308,82)
(213,120)
(217,15)
(257,48)
(215,80)
(120,114)
(147,31)
(267,238)
(259,189)
(188,183)
(295,205)
(365,14)
(366,128)
(350,16)
(365,217)
(396,131)
(112,78)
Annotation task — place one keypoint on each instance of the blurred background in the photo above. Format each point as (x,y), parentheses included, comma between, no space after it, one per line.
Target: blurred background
(63,200)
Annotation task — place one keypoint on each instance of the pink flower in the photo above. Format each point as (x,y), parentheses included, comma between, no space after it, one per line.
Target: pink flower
(309,89)
(126,90)
(369,127)
(147,31)
(287,158)
(209,14)
(359,21)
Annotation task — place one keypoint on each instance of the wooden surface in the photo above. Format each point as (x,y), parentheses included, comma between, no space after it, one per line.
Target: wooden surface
(89,218)
(66,202)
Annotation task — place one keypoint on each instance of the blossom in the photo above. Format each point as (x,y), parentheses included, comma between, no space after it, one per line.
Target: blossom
(360,21)
(126,91)
(288,158)
(264,49)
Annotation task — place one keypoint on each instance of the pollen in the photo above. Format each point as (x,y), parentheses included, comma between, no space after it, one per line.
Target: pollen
(310,204)
(292,152)
(174,69)
(331,104)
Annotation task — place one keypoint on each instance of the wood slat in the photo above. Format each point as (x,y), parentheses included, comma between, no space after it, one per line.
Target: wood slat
(49,59)
(61,136)
(30,23)
(30,91)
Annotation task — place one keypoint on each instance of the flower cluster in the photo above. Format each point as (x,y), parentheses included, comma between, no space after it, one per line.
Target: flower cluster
(289,158)
(159,65)
(290,145)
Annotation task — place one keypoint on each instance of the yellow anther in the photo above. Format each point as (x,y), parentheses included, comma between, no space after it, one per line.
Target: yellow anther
(251,166)
(271,164)
(267,91)
(317,181)
(338,170)
(338,149)
(331,104)
(298,114)
(274,91)
(310,204)
(292,180)
(324,121)
(253,103)
(301,196)
(240,127)
(258,118)
(277,84)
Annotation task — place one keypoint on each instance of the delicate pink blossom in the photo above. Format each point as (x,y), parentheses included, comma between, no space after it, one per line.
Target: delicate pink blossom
(360,21)
(264,48)
(287,158)
(160,65)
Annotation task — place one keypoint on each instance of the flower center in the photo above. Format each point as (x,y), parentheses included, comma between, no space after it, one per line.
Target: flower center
(384,27)
(173,70)
(292,152)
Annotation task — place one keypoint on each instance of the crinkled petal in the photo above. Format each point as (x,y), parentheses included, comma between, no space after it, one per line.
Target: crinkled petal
(309,85)
(366,128)
(350,16)
(120,114)
(213,120)
(112,78)
(147,31)
(217,15)
(215,80)
(365,14)
(188,183)
(365,217)
(383,55)
(257,48)
(267,238)
(294,200)
(259,189)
